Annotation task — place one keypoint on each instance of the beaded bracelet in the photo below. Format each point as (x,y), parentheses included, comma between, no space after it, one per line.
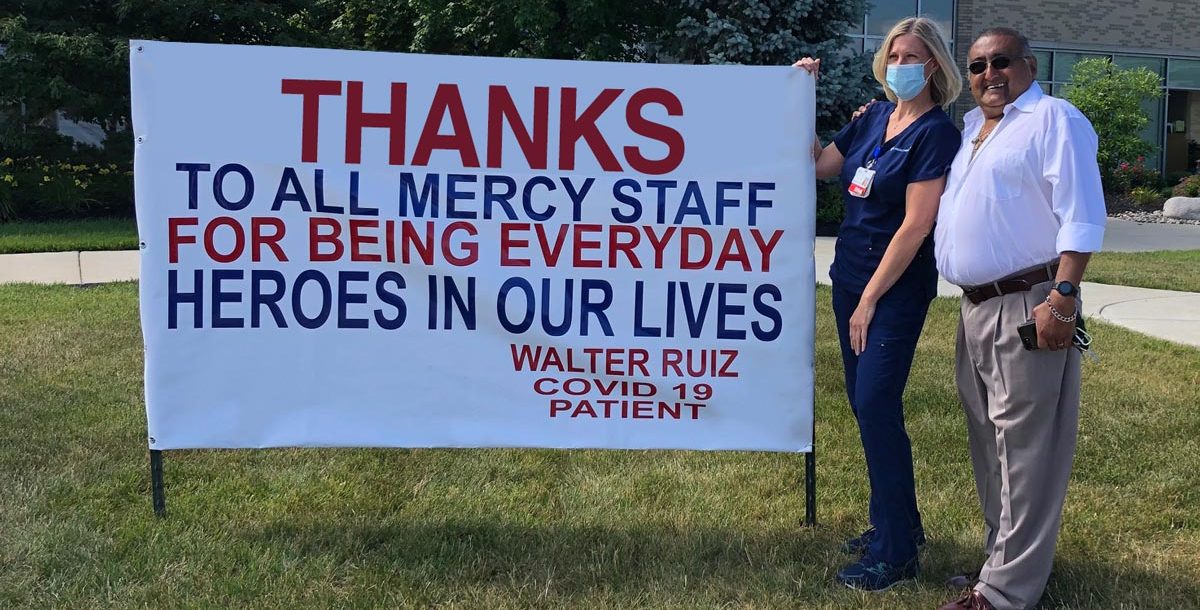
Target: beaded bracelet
(1058,316)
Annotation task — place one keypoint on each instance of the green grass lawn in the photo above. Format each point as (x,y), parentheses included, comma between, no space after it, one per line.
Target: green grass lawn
(1167,270)
(69,235)
(350,528)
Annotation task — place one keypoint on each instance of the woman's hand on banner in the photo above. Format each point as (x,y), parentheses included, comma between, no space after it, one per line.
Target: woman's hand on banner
(812,65)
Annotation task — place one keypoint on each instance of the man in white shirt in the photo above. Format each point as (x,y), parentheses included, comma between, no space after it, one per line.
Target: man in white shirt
(1022,212)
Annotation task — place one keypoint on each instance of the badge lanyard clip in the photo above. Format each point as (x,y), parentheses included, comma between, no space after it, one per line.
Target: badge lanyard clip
(864,176)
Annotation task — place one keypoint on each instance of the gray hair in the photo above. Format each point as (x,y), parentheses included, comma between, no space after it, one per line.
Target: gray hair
(1010,33)
(1026,51)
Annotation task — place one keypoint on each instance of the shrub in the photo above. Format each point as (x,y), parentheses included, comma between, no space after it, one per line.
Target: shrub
(830,208)
(33,188)
(1111,97)
(1173,178)
(7,210)
(1127,176)
(1188,187)
(1146,197)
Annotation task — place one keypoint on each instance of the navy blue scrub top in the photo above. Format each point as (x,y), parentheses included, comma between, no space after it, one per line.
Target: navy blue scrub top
(923,151)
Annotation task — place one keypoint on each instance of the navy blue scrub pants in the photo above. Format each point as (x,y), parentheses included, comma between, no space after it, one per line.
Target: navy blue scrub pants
(875,386)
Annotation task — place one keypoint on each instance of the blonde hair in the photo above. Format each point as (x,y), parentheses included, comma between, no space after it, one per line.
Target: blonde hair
(945,84)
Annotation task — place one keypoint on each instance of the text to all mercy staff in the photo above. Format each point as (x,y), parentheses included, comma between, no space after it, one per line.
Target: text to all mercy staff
(231,220)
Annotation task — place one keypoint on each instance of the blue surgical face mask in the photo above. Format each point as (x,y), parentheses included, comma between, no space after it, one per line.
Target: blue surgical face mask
(906,80)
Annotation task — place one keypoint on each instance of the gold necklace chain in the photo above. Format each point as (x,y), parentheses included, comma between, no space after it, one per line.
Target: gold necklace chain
(978,141)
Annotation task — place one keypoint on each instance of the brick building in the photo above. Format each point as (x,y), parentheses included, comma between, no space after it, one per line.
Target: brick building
(1161,35)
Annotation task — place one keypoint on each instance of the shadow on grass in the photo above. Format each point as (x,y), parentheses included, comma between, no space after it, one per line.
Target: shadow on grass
(600,555)
(686,566)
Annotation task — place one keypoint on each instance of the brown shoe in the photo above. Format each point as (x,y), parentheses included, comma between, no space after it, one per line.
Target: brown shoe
(971,600)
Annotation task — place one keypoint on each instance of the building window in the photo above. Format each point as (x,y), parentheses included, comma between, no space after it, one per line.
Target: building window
(1064,63)
(1183,74)
(883,14)
(1153,64)
(942,12)
(1045,66)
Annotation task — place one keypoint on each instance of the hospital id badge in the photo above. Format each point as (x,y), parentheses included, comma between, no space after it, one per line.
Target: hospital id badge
(861,185)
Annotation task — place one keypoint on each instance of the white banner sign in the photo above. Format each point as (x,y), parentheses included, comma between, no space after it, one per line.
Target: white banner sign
(375,249)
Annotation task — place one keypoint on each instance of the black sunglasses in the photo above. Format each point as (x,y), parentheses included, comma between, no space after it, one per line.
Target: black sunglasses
(998,62)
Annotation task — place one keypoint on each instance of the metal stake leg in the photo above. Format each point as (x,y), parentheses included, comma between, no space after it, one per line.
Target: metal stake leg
(156,483)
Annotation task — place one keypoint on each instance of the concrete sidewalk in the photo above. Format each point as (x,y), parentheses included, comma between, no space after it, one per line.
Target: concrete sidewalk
(1174,316)
(69,267)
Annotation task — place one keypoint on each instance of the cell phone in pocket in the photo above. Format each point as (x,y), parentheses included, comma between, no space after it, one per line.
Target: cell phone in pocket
(1028,334)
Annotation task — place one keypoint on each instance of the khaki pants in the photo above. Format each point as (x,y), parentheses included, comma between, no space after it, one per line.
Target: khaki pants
(1022,411)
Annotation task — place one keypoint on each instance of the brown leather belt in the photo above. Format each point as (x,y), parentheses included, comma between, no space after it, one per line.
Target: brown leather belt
(1014,283)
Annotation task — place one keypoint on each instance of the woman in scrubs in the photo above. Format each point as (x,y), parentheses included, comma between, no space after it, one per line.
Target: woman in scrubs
(892,162)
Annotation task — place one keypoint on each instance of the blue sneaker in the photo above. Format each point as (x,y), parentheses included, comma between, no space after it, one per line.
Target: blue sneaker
(869,574)
(858,545)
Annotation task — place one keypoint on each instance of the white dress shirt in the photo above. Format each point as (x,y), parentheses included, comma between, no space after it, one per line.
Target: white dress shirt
(1031,192)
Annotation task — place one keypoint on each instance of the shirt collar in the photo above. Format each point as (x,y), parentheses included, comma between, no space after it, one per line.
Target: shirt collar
(1026,102)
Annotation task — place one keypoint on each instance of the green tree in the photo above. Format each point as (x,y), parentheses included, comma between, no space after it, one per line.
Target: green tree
(553,29)
(1111,98)
(777,33)
(73,57)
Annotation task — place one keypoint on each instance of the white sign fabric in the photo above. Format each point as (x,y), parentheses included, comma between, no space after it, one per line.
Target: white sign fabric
(348,248)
